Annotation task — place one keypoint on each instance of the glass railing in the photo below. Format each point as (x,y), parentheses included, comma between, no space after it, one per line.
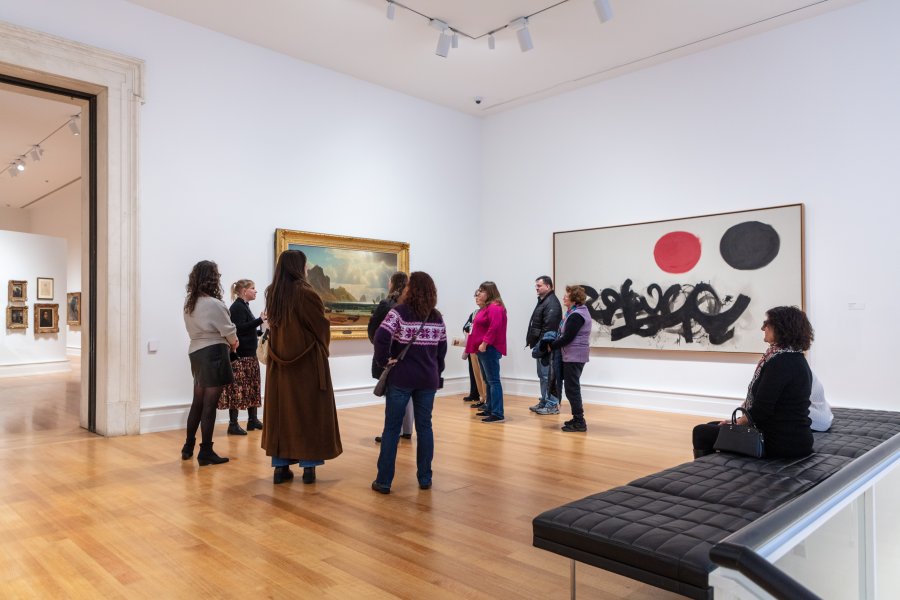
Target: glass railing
(839,540)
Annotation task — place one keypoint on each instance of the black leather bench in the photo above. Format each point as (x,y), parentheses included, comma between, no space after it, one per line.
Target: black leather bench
(659,529)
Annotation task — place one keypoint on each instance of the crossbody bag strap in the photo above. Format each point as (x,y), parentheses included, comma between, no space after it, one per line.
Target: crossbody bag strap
(412,341)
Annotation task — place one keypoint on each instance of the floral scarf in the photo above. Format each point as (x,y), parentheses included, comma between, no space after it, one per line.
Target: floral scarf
(771,352)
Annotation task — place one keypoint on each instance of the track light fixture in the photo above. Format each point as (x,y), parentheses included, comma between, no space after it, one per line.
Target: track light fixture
(12,170)
(20,163)
(492,43)
(454,40)
(522,34)
(75,124)
(37,153)
(443,44)
(604,10)
(391,9)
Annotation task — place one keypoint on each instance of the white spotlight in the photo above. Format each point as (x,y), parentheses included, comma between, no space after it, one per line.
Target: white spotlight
(13,171)
(37,153)
(390,10)
(523,35)
(20,164)
(604,10)
(75,125)
(443,45)
(454,40)
(492,43)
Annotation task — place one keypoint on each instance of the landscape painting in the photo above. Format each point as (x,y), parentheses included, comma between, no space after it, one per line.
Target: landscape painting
(698,283)
(349,274)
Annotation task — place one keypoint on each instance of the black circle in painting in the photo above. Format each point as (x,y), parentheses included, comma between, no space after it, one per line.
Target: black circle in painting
(749,245)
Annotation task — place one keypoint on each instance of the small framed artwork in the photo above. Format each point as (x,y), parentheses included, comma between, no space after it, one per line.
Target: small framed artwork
(18,291)
(17,317)
(45,288)
(73,308)
(46,318)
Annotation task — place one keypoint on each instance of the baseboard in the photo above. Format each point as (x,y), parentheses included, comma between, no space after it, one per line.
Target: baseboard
(73,350)
(174,416)
(36,368)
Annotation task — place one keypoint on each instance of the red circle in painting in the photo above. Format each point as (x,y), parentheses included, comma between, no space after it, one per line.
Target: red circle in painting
(677,252)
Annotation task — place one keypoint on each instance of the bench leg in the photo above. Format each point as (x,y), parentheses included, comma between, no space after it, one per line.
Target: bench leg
(572,580)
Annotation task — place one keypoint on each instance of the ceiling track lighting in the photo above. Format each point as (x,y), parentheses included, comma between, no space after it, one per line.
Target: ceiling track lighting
(391,10)
(444,38)
(522,34)
(12,170)
(75,124)
(36,152)
(20,163)
(604,10)
(492,43)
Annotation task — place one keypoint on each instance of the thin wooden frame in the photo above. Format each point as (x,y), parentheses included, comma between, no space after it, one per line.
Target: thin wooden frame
(17,317)
(45,288)
(348,304)
(696,284)
(46,318)
(73,308)
(17,291)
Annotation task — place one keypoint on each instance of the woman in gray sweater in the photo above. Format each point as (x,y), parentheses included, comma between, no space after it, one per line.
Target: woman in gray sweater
(212,334)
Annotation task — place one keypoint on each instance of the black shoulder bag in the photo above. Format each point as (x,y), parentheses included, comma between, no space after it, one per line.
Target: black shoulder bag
(741,439)
(381,386)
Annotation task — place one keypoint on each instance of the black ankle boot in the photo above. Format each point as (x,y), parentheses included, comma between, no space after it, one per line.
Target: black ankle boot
(309,474)
(206,456)
(235,429)
(282,474)
(187,450)
(254,424)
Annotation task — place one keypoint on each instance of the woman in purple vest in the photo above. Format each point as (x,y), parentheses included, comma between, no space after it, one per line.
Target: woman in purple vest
(574,344)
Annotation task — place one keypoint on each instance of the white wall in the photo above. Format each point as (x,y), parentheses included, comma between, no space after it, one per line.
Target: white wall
(806,113)
(60,215)
(26,257)
(237,141)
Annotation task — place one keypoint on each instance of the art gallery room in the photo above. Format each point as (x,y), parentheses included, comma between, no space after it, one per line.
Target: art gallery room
(689,165)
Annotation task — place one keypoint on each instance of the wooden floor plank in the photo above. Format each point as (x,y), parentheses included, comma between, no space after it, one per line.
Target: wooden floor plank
(86,517)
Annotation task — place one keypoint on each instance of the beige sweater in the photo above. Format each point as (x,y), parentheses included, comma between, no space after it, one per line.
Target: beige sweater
(209,324)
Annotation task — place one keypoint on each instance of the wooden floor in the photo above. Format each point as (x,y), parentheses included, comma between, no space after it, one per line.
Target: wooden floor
(83,516)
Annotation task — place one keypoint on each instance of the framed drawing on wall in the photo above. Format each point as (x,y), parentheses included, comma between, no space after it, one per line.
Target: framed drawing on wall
(699,283)
(17,317)
(17,291)
(350,274)
(44,288)
(73,308)
(46,318)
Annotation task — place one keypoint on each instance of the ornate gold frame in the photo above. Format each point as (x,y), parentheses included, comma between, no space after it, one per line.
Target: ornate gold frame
(9,321)
(37,318)
(12,284)
(285,237)
(69,297)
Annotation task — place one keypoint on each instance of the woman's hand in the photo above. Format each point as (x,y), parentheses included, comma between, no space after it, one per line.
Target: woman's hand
(743,420)
(482,346)
(465,356)
(234,345)
(392,361)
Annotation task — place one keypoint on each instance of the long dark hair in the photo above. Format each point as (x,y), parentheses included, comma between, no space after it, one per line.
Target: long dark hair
(396,285)
(290,269)
(791,327)
(421,294)
(204,280)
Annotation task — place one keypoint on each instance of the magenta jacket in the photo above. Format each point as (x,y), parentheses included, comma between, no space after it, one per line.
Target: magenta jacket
(489,326)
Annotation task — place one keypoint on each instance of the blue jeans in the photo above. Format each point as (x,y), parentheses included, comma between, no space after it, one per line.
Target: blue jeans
(543,373)
(286,462)
(490,368)
(396,400)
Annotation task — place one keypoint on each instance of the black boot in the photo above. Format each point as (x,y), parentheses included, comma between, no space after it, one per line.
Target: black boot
(253,421)
(187,450)
(235,429)
(309,474)
(206,456)
(282,474)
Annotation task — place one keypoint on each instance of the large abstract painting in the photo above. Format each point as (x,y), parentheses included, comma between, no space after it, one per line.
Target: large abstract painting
(699,283)
(350,274)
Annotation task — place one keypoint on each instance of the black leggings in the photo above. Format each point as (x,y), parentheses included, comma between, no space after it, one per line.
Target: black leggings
(705,436)
(203,413)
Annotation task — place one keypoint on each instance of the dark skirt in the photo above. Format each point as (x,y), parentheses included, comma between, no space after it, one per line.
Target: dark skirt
(244,392)
(211,367)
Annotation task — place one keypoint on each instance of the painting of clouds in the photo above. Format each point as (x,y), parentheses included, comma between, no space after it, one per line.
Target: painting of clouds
(350,274)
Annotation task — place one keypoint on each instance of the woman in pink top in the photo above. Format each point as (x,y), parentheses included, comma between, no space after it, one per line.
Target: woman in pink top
(488,339)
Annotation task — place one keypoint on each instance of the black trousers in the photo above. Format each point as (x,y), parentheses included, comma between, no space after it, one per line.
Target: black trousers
(705,436)
(571,372)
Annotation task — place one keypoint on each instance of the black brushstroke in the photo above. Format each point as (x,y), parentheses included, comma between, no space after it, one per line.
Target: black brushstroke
(646,316)
(749,245)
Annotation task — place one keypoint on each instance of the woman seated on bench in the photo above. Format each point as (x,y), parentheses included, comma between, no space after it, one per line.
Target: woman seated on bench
(778,395)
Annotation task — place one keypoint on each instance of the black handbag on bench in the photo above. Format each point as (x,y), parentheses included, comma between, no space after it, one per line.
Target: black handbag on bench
(741,439)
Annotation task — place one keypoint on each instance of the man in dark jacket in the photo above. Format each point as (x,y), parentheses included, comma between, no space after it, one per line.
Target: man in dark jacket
(546,317)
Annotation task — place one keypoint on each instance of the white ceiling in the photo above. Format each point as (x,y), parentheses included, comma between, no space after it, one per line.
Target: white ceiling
(572,47)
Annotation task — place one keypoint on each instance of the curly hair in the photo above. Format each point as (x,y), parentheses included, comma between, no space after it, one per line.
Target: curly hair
(576,294)
(289,270)
(397,283)
(791,327)
(493,294)
(204,280)
(421,294)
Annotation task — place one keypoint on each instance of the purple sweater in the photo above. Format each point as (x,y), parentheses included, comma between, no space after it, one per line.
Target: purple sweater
(422,367)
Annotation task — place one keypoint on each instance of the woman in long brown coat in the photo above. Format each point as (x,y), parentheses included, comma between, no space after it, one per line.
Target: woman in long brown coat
(300,420)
